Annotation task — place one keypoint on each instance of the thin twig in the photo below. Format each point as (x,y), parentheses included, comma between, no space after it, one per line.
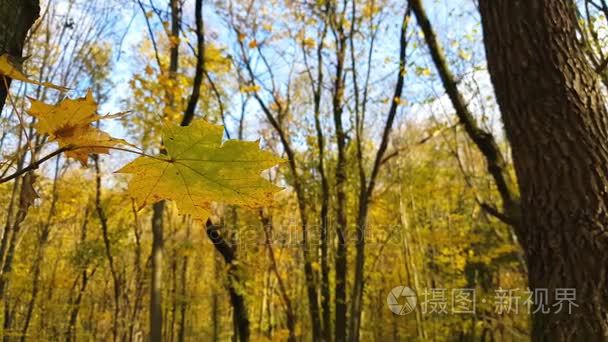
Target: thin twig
(21,123)
(34,165)
(118,149)
(143,10)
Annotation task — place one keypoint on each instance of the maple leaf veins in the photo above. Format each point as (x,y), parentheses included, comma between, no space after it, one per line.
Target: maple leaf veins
(198,169)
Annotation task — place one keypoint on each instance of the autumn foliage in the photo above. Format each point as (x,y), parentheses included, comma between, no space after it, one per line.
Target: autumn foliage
(253,171)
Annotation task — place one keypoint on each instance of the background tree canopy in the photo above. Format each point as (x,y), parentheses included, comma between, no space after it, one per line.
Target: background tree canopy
(269,170)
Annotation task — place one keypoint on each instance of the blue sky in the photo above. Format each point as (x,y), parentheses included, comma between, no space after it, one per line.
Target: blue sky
(417,90)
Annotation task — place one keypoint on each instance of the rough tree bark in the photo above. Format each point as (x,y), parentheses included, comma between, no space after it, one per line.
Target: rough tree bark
(556,120)
(16,18)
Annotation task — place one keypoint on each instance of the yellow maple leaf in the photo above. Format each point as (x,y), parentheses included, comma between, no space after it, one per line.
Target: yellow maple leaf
(400,101)
(463,54)
(267,27)
(308,43)
(13,70)
(253,44)
(149,70)
(174,41)
(250,88)
(420,71)
(198,170)
(70,124)
(28,193)
(369,10)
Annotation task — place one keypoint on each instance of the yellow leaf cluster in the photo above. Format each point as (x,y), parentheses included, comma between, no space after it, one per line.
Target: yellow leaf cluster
(420,71)
(70,124)
(463,54)
(309,43)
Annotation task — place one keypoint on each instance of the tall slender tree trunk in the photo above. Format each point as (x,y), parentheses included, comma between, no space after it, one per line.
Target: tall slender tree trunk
(240,314)
(7,268)
(341,262)
(156,309)
(42,242)
(409,262)
(103,220)
(183,302)
(289,312)
(70,334)
(556,120)
(309,273)
(171,330)
(139,276)
(73,321)
(366,190)
(483,140)
(216,325)
(324,213)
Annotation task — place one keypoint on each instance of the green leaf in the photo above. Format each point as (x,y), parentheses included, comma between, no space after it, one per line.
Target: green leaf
(198,170)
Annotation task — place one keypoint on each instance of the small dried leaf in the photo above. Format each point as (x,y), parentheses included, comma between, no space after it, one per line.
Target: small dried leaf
(11,69)
(28,193)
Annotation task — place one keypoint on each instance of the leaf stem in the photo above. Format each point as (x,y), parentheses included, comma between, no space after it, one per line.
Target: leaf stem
(34,165)
(118,149)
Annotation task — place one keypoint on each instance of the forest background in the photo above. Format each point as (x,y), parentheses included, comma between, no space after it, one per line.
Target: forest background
(385,181)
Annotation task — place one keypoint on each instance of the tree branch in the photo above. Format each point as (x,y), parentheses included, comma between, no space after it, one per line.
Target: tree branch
(143,10)
(484,141)
(220,244)
(200,65)
(34,165)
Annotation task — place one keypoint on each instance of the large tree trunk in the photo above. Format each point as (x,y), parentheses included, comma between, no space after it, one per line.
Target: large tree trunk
(16,18)
(556,120)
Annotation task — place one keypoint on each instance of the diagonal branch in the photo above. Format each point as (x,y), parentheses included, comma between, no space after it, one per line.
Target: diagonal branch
(200,65)
(34,165)
(485,142)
